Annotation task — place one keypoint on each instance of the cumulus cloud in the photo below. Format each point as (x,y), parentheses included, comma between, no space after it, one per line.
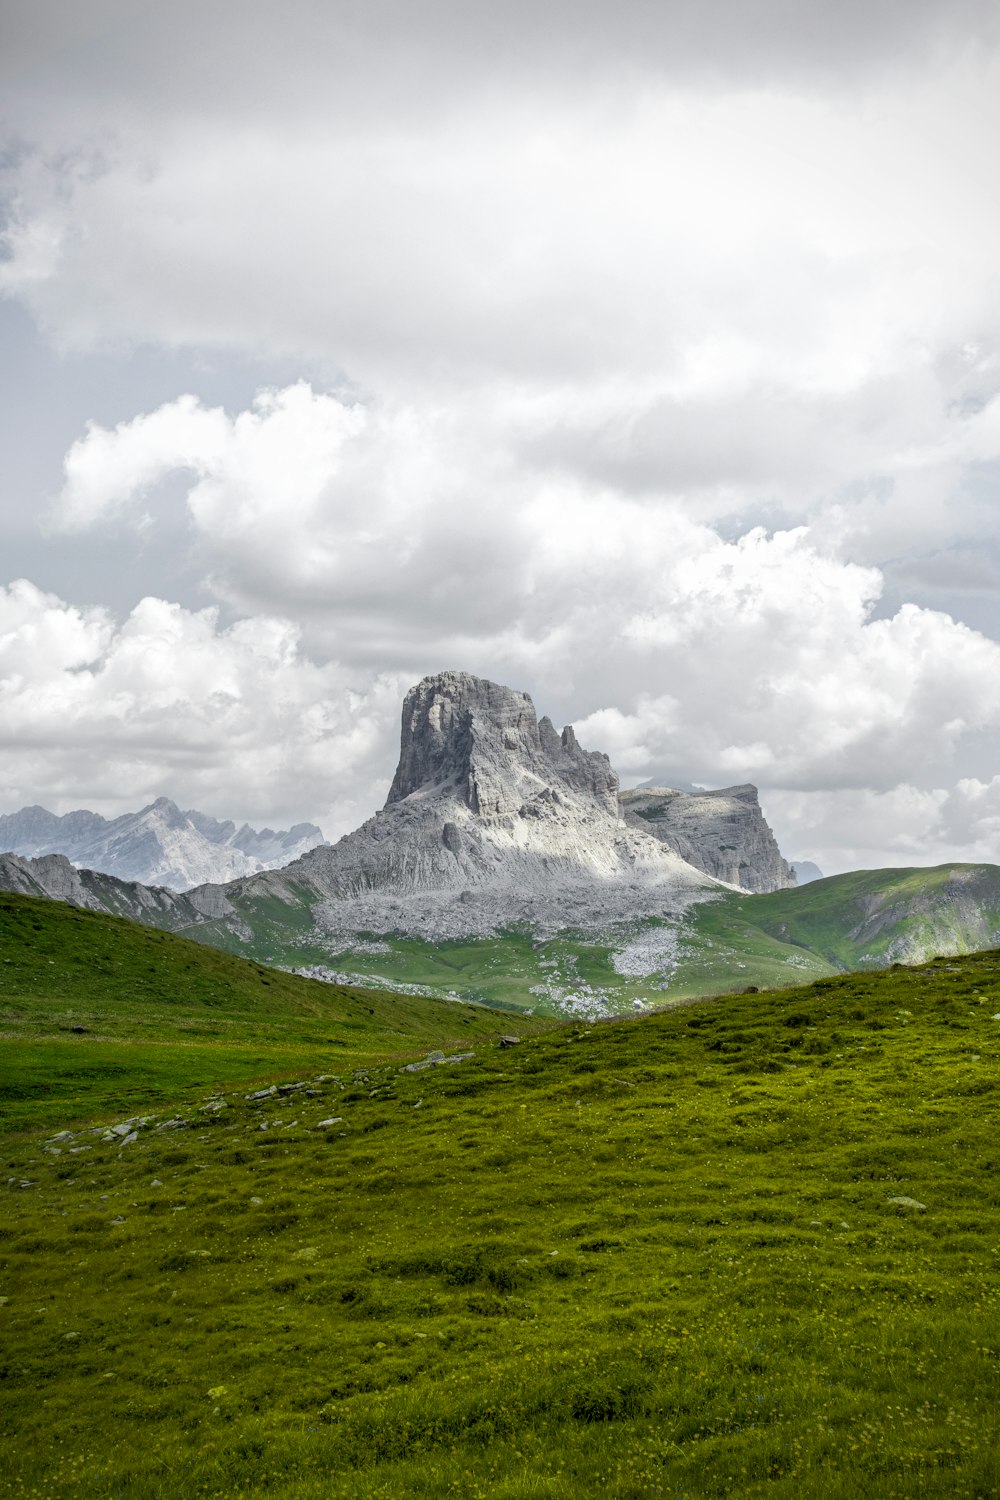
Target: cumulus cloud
(240,722)
(803,691)
(236,721)
(441,511)
(383,523)
(760,303)
(760,657)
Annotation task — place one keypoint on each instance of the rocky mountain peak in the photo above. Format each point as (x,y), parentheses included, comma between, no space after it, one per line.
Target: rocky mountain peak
(164,811)
(493,819)
(485,742)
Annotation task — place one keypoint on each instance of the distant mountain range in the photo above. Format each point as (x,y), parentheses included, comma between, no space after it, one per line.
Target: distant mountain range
(160,845)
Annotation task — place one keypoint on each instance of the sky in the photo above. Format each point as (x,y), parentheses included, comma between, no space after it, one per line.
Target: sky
(644,357)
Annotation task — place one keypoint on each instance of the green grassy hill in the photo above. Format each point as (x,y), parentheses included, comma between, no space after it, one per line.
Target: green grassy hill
(745,1247)
(862,920)
(98,1013)
(879,917)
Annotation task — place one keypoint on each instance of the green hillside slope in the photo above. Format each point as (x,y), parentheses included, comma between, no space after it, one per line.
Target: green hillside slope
(99,1013)
(880,917)
(746,1247)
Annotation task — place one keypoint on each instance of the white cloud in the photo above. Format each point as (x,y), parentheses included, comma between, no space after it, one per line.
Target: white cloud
(751,301)
(442,517)
(106,471)
(802,691)
(369,521)
(241,723)
(692,239)
(903,825)
(234,721)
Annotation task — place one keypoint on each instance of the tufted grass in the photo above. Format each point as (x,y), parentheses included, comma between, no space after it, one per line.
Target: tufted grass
(653,1257)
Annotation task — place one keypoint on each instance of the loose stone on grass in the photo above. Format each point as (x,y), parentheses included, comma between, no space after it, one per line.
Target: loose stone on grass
(435,1060)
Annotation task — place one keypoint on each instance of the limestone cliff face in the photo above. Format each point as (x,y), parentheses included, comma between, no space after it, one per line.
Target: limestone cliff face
(723,833)
(492,817)
(482,743)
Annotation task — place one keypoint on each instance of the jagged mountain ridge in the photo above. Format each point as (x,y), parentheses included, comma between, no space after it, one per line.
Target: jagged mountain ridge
(494,820)
(158,846)
(53,877)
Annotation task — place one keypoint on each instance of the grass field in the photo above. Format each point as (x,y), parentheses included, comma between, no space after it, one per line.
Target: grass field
(98,1014)
(744,1247)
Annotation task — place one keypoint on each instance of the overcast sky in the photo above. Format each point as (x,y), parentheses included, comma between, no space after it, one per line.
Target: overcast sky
(643,356)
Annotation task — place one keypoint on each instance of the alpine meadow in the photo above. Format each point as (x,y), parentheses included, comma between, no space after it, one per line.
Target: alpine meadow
(744,1246)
